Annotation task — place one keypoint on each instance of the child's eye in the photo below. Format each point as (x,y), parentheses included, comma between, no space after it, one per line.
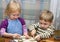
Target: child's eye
(45,24)
(40,23)
(13,15)
(18,15)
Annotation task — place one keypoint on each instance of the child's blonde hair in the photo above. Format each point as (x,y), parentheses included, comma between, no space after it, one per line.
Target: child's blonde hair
(46,15)
(12,7)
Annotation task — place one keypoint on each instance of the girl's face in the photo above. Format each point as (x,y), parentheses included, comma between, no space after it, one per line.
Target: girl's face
(44,24)
(14,15)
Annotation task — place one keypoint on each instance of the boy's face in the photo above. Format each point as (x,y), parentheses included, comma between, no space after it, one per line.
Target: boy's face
(44,24)
(14,15)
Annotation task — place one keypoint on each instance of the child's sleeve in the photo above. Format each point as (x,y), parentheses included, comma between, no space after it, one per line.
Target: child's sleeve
(3,24)
(3,27)
(48,33)
(2,31)
(25,29)
(24,26)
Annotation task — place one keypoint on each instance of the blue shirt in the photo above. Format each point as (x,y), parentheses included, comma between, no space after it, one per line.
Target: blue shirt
(14,26)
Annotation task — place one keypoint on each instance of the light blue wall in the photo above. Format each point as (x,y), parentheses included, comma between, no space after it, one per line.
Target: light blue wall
(1,11)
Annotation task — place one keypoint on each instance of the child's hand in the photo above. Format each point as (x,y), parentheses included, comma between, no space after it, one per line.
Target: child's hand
(33,33)
(16,35)
(37,37)
(26,35)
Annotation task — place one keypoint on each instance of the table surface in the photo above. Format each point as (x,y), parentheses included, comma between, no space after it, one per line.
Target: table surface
(44,40)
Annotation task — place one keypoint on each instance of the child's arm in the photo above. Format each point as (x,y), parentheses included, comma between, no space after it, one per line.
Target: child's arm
(3,27)
(25,29)
(5,34)
(23,25)
(37,37)
(43,35)
(47,33)
(33,32)
(25,32)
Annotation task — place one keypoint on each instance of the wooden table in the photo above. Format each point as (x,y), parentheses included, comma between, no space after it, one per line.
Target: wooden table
(50,40)
(44,40)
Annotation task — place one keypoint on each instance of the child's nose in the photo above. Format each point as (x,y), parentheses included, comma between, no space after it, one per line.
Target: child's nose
(42,25)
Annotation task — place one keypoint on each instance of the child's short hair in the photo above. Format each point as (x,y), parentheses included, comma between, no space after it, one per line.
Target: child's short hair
(12,7)
(46,15)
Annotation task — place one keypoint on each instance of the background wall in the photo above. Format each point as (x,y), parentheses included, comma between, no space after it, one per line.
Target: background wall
(55,8)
